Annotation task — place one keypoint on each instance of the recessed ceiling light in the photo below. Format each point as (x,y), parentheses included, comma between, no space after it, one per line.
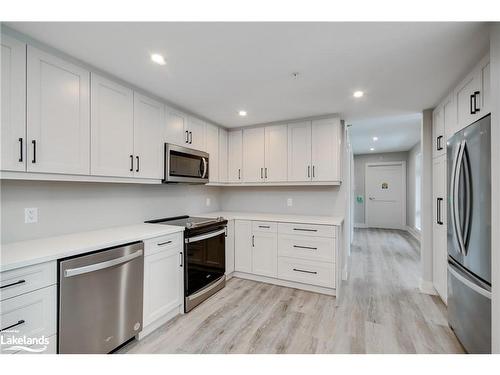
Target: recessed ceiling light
(358,94)
(157,58)
(372,149)
(242,113)
(375,139)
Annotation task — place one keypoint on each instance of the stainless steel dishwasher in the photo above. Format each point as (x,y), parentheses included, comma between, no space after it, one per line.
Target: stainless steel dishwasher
(100,299)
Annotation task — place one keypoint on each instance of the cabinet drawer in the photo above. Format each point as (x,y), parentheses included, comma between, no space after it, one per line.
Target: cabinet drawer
(32,315)
(306,271)
(163,243)
(307,247)
(307,229)
(27,279)
(264,226)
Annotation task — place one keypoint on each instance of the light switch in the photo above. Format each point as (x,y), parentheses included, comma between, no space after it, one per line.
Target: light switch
(30,215)
(289,202)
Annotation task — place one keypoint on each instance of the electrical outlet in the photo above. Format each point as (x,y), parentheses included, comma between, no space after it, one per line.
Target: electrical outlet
(289,202)
(30,215)
(208,202)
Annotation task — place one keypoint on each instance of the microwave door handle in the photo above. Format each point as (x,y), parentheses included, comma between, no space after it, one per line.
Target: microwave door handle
(205,236)
(205,168)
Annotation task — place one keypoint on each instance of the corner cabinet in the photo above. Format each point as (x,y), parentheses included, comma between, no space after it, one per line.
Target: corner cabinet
(58,121)
(13,105)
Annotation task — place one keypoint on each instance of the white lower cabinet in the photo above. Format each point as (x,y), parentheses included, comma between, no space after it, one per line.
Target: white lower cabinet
(230,248)
(306,271)
(163,279)
(439,228)
(265,253)
(243,246)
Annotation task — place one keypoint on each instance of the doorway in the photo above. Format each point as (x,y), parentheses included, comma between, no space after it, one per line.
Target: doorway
(385,192)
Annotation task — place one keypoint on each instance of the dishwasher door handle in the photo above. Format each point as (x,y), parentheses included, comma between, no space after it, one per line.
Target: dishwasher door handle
(102,265)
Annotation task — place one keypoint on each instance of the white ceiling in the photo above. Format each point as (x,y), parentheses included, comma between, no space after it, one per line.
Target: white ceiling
(395,133)
(215,69)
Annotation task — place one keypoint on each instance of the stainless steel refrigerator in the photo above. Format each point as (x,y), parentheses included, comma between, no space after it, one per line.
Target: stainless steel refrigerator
(469,236)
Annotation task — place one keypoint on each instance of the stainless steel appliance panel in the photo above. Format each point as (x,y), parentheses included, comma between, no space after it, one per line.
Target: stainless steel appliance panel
(469,192)
(100,299)
(183,164)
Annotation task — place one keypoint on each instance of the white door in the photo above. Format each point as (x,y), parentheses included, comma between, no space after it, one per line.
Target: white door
(385,186)
(265,254)
(439,226)
(212,143)
(176,128)
(243,246)
(276,153)
(112,139)
(162,284)
(58,109)
(149,117)
(230,247)
(253,155)
(299,151)
(13,104)
(222,155)
(196,129)
(325,150)
(235,154)
(438,141)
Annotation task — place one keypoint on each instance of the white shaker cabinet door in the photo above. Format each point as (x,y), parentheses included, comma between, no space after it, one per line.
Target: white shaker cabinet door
(212,147)
(13,129)
(438,132)
(299,151)
(234,155)
(439,226)
(253,155)
(196,129)
(149,117)
(465,101)
(265,254)
(276,169)
(230,247)
(326,154)
(222,155)
(112,141)
(243,246)
(176,128)
(58,121)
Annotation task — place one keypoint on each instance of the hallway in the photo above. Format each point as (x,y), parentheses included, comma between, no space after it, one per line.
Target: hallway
(382,311)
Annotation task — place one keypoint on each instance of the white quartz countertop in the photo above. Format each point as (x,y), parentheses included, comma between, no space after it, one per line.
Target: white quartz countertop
(304,219)
(25,253)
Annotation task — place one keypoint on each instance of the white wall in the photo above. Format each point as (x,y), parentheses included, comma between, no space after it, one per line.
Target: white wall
(411,187)
(65,207)
(359,177)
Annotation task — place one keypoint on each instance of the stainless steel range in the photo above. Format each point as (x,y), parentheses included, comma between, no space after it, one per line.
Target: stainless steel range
(204,256)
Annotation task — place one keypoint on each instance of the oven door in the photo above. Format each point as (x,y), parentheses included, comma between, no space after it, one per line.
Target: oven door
(205,260)
(185,165)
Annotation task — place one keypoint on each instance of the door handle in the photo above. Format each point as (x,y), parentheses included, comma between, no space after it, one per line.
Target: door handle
(20,150)
(314,167)
(308,171)
(99,266)
(476,109)
(304,271)
(471,105)
(239,174)
(190,138)
(262,173)
(205,167)
(265,172)
(12,284)
(19,322)
(253,241)
(439,146)
(131,163)
(187,136)
(438,213)
(182,259)
(305,247)
(137,158)
(34,151)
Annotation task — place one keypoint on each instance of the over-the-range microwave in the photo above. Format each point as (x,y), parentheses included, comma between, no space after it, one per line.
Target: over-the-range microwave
(186,165)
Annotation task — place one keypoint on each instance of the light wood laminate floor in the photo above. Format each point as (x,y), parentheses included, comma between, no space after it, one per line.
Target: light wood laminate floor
(381,311)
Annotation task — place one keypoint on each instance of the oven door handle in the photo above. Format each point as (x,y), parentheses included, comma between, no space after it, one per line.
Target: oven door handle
(205,236)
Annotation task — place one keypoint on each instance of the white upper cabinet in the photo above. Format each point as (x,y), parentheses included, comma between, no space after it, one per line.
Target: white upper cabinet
(196,133)
(465,101)
(276,152)
(326,150)
(112,113)
(438,132)
(176,128)
(253,155)
(212,147)
(13,129)
(149,117)
(58,123)
(450,118)
(485,96)
(235,154)
(299,151)
(223,155)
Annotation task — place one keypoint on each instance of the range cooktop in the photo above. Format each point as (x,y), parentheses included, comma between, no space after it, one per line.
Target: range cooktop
(191,223)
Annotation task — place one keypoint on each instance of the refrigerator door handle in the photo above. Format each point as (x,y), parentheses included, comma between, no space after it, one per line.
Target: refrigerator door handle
(453,196)
(465,280)
(468,197)
(456,213)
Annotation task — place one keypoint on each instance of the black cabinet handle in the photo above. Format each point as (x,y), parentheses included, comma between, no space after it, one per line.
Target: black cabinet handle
(253,241)
(476,109)
(472,104)
(190,138)
(438,207)
(439,146)
(182,259)
(314,167)
(305,230)
(137,158)
(239,174)
(12,284)
(34,151)
(262,173)
(131,163)
(265,172)
(304,271)
(20,150)
(305,247)
(163,243)
(264,226)
(187,136)
(13,325)
(308,171)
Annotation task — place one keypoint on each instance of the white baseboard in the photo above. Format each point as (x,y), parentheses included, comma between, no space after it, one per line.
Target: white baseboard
(160,321)
(426,287)
(360,225)
(415,233)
